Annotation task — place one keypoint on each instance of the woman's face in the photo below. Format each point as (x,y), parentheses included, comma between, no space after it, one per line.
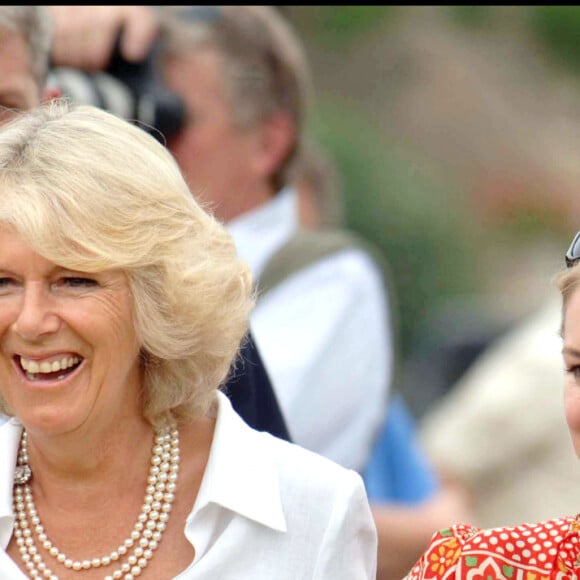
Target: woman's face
(68,352)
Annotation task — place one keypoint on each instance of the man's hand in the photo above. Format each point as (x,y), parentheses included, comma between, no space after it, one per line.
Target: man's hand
(84,36)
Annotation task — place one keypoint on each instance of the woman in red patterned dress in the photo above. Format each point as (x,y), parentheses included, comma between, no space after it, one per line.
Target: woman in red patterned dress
(540,551)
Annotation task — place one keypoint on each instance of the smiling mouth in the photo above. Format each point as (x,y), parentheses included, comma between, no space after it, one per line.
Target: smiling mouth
(48,370)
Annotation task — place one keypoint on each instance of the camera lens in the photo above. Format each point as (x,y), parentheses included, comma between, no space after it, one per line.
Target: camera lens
(147,104)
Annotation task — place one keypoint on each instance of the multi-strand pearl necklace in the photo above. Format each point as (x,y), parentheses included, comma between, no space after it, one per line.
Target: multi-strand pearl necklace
(144,538)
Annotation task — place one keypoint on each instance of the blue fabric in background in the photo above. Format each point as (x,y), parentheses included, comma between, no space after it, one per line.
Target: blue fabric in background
(398,470)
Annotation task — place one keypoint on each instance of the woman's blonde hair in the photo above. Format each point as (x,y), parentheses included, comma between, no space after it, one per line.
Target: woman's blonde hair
(91,192)
(567,281)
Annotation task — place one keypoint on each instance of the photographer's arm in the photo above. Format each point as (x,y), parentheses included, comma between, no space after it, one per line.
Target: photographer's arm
(84,36)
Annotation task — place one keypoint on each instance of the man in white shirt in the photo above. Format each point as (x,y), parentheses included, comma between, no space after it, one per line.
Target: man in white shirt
(323,332)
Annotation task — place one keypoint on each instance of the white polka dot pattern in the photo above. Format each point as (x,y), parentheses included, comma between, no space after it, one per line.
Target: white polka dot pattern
(540,551)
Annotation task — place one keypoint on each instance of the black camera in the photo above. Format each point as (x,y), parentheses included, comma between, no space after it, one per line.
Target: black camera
(129,90)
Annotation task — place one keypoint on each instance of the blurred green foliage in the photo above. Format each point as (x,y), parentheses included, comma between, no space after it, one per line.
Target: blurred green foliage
(475,16)
(558,28)
(412,220)
(418,222)
(338,27)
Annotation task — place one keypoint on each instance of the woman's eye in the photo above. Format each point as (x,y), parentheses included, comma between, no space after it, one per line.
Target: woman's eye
(5,282)
(78,282)
(7,285)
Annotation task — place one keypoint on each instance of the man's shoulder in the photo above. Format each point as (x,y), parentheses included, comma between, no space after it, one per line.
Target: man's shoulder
(323,253)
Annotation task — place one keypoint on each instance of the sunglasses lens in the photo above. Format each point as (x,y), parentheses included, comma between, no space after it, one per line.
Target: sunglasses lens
(573,254)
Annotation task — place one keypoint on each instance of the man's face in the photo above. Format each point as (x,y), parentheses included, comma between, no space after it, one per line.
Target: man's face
(18,89)
(218,159)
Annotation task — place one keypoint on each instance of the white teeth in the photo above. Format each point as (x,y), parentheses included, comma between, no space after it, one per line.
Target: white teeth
(33,367)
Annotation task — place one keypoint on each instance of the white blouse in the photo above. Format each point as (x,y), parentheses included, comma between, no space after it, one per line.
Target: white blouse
(266,510)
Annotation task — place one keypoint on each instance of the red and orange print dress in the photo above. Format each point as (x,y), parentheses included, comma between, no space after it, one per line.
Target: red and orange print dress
(548,550)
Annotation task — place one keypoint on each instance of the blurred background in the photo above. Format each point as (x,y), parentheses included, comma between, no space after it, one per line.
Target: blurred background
(456,135)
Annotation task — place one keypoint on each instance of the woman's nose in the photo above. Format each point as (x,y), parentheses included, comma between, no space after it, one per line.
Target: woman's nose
(36,316)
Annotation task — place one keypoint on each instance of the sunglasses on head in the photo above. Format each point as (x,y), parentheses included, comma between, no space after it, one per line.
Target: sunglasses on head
(573,253)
